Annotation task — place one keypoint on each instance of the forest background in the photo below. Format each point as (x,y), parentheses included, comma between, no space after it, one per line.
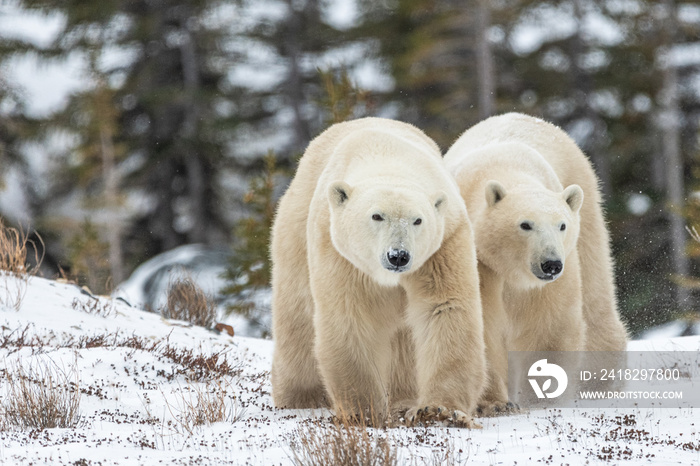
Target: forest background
(131,127)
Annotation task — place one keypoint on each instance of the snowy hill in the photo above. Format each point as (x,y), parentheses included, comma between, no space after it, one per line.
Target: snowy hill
(144,388)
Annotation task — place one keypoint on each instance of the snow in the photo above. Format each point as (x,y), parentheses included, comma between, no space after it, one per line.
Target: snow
(547,22)
(133,400)
(341,15)
(665,344)
(31,26)
(639,204)
(46,85)
(675,328)
(13,203)
(685,55)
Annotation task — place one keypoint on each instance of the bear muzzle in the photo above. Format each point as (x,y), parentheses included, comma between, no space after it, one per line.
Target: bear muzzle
(397,260)
(548,270)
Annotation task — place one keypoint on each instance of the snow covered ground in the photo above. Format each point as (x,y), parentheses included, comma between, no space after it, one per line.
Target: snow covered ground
(143,380)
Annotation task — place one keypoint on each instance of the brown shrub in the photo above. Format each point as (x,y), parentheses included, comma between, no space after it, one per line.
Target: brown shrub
(204,404)
(94,306)
(188,302)
(345,440)
(39,397)
(14,246)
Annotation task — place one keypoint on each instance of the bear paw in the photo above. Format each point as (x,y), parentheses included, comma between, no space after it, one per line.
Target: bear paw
(302,399)
(497,408)
(429,415)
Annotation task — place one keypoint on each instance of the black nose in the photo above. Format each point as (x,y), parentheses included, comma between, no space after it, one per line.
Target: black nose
(398,257)
(552,267)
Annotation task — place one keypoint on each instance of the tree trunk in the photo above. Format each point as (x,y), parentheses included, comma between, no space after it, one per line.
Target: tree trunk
(594,145)
(484,64)
(295,82)
(114,229)
(669,122)
(196,183)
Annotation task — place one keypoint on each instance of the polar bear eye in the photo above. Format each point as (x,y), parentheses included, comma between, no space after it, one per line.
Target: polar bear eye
(418,221)
(377,218)
(562,227)
(526,226)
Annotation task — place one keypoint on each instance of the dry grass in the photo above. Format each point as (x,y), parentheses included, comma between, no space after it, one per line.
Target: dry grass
(40,397)
(199,405)
(194,366)
(188,302)
(344,440)
(14,247)
(14,340)
(94,306)
(349,440)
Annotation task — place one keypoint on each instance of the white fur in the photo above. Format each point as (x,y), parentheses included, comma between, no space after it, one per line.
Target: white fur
(514,169)
(349,330)
(366,242)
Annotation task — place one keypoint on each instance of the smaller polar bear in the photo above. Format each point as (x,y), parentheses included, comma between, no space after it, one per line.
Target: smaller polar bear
(542,244)
(375,295)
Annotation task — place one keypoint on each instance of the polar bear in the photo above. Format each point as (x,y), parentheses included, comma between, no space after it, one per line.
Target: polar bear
(542,244)
(375,295)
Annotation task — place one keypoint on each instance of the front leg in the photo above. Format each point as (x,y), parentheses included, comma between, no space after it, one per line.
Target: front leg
(354,363)
(494,401)
(354,321)
(444,313)
(403,371)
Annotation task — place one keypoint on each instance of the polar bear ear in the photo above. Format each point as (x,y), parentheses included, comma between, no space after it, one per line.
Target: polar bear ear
(495,192)
(573,195)
(339,193)
(439,201)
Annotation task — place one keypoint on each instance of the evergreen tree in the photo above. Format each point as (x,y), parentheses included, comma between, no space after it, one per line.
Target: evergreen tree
(184,127)
(169,95)
(343,100)
(297,40)
(249,270)
(13,128)
(431,49)
(93,117)
(89,259)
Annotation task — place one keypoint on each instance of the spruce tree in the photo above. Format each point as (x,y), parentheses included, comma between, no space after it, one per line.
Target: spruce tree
(297,41)
(431,49)
(169,94)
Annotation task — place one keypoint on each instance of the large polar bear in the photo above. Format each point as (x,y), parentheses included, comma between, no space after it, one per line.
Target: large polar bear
(542,244)
(375,295)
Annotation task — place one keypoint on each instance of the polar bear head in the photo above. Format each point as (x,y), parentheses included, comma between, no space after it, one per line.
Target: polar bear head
(385,231)
(526,234)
